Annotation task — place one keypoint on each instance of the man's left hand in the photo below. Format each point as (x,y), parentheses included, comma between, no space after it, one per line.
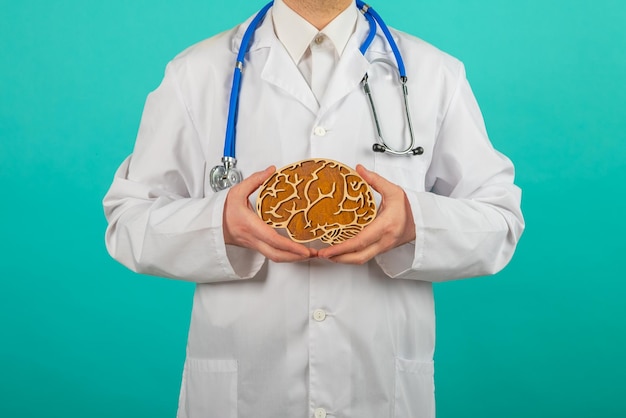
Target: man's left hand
(393,226)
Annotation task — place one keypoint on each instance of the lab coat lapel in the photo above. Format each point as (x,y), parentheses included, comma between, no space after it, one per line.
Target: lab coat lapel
(281,71)
(347,76)
(352,65)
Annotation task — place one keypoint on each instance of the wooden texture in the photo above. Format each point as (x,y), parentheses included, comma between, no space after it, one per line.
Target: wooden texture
(317,199)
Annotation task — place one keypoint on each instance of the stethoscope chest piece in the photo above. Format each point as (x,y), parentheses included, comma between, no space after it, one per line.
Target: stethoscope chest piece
(226,175)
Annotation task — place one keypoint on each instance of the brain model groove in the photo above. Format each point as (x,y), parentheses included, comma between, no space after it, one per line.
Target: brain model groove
(317,199)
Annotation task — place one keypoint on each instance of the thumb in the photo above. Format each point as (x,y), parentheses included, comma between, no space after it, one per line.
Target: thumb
(255,180)
(378,183)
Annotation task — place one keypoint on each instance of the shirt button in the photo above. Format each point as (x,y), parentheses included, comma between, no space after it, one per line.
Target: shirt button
(320,413)
(319,131)
(319,315)
(319,39)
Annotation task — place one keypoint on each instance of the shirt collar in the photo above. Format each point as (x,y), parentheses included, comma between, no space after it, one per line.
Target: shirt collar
(295,33)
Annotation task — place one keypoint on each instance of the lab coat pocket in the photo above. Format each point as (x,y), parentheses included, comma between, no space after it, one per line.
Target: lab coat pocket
(209,389)
(415,389)
(406,171)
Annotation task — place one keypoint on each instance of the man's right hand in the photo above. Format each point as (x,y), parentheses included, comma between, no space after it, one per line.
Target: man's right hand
(242,227)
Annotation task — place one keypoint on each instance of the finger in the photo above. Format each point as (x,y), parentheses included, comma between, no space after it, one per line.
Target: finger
(367,238)
(278,255)
(281,243)
(360,249)
(378,182)
(253,182)
(359,257)
(257,234)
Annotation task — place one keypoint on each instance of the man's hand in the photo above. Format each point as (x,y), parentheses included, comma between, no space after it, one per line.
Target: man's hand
(393,226)
(242,227)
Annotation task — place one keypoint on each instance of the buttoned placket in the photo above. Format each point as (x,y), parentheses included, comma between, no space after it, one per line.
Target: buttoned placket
(323,61)
(322,66)
(324,384)
(320,329)
(330,353)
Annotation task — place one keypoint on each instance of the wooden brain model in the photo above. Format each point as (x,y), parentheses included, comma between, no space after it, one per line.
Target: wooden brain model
(317,199)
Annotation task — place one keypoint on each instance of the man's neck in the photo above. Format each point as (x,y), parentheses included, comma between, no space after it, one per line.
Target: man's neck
(318,13)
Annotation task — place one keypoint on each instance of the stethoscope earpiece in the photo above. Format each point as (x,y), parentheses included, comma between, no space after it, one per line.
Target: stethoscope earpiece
(378,148)
(383,148)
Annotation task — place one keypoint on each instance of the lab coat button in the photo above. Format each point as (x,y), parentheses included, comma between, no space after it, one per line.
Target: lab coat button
(319,131)
(320,413)
(319,315)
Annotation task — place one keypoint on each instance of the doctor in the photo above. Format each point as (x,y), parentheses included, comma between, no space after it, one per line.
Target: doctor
(280,329)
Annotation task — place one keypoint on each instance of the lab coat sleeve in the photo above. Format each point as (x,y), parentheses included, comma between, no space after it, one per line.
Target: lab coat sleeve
(468,224)
(160,221)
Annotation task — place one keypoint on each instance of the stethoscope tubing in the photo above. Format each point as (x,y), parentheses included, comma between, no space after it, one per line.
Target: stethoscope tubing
(233,105)
(373,18)
(228,173)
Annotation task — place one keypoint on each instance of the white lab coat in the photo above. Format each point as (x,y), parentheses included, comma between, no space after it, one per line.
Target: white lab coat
(298,340)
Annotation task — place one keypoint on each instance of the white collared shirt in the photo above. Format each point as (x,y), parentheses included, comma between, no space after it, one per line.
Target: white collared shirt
(312,49)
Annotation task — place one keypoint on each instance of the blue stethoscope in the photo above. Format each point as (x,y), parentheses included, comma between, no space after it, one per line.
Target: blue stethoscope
(226,175)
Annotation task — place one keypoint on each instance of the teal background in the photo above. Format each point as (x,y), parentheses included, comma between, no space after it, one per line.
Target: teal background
(84,337)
